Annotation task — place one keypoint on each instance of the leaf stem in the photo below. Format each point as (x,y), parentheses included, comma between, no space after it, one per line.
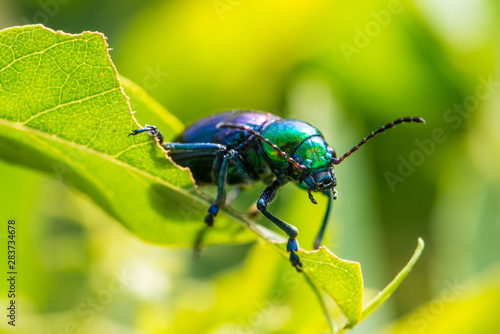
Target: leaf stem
(389,289)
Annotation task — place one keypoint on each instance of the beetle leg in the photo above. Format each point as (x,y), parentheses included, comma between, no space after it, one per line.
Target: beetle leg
(203,147)
(178,147)
(332,195)
(152,130)
(220,200)
(268,195)
(187,147)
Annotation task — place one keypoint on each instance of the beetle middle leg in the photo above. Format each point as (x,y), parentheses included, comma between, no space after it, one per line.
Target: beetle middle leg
(221,169)
(220,200)
(229,157)
(268,195)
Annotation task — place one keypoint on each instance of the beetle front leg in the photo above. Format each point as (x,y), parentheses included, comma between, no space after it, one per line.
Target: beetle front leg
(268,195)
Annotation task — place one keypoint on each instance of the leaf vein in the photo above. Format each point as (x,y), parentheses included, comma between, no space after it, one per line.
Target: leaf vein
(40,52)
(70,103)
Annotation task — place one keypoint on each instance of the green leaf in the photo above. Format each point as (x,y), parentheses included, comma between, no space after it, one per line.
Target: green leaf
(63,111)
(341,279)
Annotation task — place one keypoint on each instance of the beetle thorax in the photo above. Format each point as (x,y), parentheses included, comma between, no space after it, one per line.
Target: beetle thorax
(287,135)
(306,145)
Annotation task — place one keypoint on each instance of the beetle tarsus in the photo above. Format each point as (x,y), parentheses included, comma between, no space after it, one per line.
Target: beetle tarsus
(137,131)
(151,130)
(213,210)
(209,220)
(292,246)
(295,260)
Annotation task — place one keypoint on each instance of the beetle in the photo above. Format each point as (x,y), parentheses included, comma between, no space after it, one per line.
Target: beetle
(241,147)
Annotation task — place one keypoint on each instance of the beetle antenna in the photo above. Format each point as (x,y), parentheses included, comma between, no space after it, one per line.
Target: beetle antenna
(267,141)
(336,161)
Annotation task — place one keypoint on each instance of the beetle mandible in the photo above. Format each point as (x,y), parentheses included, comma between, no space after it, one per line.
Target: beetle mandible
(241,147)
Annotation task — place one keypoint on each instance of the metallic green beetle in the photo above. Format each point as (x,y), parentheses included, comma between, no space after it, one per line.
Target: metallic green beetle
(241,147)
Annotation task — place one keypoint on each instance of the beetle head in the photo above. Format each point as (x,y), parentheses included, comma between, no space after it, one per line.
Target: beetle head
(316,156)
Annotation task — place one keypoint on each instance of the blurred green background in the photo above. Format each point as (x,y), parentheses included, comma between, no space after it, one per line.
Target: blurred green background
(346,68)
